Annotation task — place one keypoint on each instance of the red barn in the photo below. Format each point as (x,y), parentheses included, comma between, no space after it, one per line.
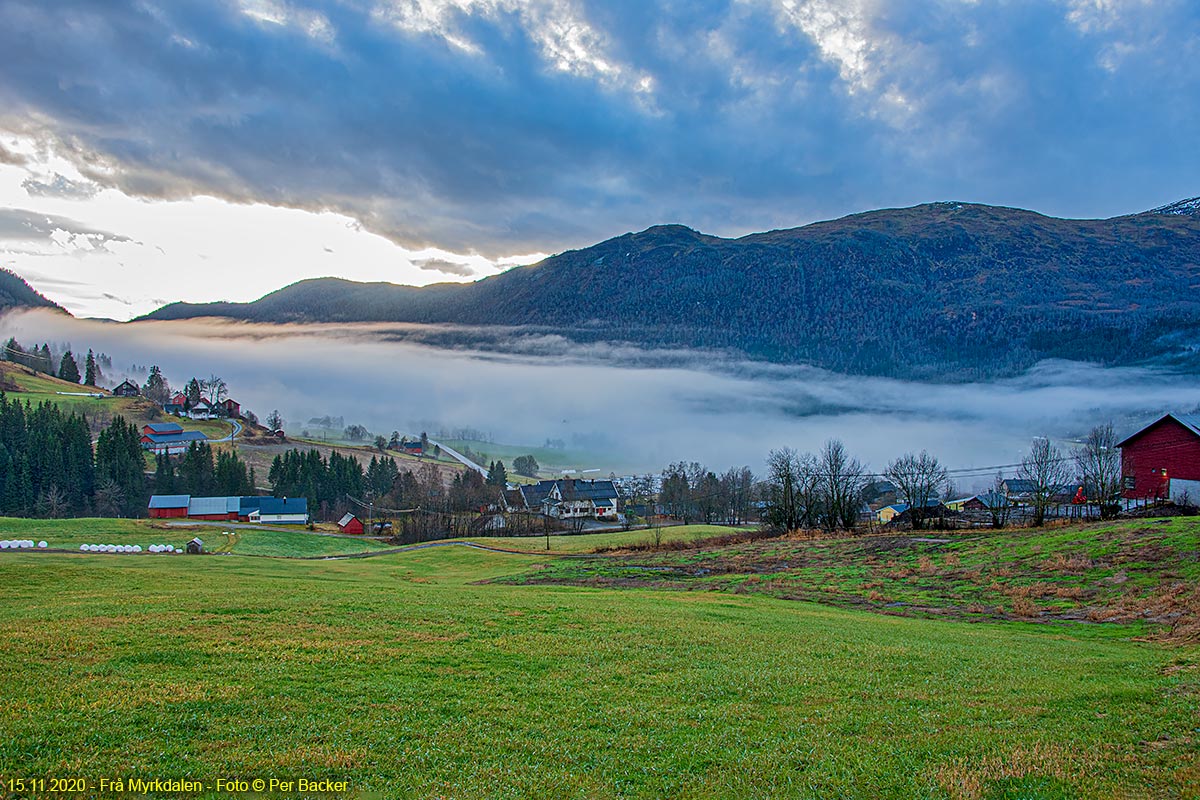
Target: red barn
(1165,450)
(350,524)
(165,506)
(230,408)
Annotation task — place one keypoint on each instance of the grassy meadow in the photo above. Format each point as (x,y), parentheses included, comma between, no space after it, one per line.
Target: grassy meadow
(285,541)
(437,673)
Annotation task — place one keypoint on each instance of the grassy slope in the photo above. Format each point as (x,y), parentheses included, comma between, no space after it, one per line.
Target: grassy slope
(405,675)
(1100,572)
(286,541)
(549,459)
(37,388)
(589,542)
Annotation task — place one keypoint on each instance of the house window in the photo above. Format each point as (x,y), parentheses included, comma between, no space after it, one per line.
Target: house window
(1130,482)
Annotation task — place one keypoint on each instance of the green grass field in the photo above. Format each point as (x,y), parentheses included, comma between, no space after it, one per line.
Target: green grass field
(285,541)
(430,674)
(589,542)
(551,460)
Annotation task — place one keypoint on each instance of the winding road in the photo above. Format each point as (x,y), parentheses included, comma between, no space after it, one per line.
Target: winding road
(237,429)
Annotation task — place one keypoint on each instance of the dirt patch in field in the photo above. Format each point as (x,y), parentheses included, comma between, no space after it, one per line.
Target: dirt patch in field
(968,577)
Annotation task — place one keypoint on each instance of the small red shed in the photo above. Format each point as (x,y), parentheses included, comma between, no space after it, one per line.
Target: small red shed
(1165,450)
(350,524)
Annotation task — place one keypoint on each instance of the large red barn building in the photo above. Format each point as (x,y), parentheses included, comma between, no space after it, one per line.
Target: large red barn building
(1165,451)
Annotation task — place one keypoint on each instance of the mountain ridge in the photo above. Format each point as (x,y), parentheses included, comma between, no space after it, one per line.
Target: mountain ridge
(946,289)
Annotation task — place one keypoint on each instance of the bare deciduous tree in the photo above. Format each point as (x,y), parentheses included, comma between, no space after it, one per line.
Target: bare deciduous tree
(842,480)
(998,503)
(919,480)
(784,491)
(1099,465)
(1046,470)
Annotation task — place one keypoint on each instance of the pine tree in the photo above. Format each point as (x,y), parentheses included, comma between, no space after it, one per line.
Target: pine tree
(157,389)
(164,475)
(89,370)
(193,392)
(497,475)
(120,463)
(68,370)
(44,362)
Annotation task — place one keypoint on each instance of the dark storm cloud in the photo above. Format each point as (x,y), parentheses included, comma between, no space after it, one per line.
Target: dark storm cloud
(503,127)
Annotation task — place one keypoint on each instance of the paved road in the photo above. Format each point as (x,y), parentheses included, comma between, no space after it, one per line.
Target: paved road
(450,451)
(237,429)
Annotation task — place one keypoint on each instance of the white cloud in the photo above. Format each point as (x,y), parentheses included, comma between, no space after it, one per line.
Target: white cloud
(196,249)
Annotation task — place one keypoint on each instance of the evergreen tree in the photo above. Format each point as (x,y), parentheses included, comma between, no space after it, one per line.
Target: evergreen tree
(89,370)
(157,389)
(197,473)
(497,475)
(13,351)
(44,361)
(164,475)
(193,392)
(68,370)
(120,459)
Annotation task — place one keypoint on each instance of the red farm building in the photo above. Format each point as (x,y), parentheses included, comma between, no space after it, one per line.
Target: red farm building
(1162,460)
(163,506)
(350,524)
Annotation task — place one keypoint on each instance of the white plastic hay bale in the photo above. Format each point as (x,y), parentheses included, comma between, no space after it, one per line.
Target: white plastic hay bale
(42,545)
(137,548)
(110,548)
(83,548)
(5,544)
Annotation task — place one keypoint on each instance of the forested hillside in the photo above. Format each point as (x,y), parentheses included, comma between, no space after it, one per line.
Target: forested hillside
(933,291)
(16,293)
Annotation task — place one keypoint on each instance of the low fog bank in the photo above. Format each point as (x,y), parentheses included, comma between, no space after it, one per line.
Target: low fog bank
(637,409)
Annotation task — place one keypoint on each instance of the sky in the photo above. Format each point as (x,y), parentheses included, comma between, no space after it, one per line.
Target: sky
(220,149)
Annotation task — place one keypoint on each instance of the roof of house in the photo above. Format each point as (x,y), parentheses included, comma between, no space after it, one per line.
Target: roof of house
(576,489)
(200,506)
(169,500)
(1019,485)
(899,508)
(164,427)
(201,402)
(172,408)
(344,521)
(993,499)
(514,498)
(534,494)
(128,383)
(283,505)
(171,438)
(1189,422)
(610,502)
(246,504)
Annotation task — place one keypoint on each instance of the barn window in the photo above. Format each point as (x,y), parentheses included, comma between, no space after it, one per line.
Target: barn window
(1130,482)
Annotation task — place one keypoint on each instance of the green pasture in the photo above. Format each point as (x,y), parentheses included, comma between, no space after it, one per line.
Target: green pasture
(589,542)
(285,541)
(420,674)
